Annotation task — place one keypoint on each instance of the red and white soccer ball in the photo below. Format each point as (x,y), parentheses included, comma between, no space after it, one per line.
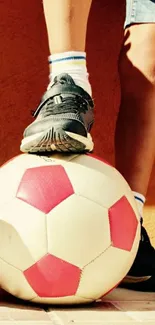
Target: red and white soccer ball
(69,228)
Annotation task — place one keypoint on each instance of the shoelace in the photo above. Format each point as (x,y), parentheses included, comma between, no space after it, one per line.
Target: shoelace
(60,104)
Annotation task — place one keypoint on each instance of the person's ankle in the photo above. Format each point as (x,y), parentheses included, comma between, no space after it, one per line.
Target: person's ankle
(72,63)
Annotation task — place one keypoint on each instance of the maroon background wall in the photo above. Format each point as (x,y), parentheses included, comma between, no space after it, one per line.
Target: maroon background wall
(24,72)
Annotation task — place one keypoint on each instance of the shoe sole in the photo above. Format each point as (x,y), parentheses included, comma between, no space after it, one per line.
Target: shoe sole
(133,279)
(56,140)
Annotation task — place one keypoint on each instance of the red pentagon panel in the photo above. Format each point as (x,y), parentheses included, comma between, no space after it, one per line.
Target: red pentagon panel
(123,224)
(53,277)
(44,187)
(98,158)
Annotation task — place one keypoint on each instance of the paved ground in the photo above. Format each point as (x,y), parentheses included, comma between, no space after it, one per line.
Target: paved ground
(122,307)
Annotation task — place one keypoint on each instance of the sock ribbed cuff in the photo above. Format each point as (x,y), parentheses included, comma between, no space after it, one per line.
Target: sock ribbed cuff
(139,197)
(67,57)
(140,200)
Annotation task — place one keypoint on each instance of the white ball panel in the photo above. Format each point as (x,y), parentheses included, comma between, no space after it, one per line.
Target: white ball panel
(10,177)
(94,164)
(63,300)
(104,273)
(94,185)
(78,230)
(22,230)
(60,157)
(102,175)
(13,281)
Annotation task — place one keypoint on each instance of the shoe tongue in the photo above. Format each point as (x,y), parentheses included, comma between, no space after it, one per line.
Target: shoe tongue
(64,78)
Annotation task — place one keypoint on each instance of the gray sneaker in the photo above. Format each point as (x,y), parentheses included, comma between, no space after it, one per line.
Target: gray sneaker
(63,120)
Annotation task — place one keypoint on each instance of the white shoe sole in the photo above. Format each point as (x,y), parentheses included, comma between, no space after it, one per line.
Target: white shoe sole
(57,140)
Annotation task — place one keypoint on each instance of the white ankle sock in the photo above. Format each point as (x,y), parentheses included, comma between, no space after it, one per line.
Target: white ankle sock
(140,200)
(73,63)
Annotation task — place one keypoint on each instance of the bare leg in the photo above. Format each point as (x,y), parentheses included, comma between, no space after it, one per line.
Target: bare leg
(135,132)
(135,129)
(66,22)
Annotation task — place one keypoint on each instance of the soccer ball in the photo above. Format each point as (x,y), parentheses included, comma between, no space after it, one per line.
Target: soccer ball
(69,228)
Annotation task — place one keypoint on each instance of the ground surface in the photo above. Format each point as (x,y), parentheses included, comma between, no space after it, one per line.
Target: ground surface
(121,307)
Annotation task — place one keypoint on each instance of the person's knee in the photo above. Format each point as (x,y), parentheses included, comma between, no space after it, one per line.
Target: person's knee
(137,58)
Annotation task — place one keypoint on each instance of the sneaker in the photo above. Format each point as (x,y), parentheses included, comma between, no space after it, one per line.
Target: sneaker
(63,120)
(143,267)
